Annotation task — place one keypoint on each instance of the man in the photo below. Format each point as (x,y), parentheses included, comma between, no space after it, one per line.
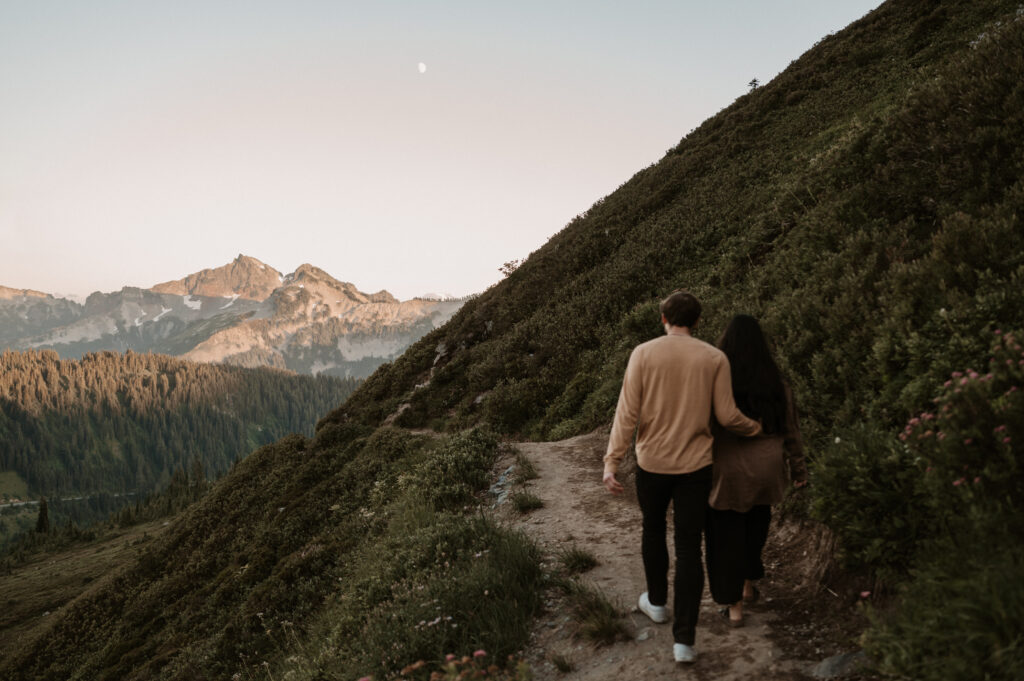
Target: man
(672,386)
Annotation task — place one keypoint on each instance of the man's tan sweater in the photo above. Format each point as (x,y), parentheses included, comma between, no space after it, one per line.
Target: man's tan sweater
(673,386)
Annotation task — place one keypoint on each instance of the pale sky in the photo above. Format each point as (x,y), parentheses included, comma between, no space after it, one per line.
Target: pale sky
(144,141)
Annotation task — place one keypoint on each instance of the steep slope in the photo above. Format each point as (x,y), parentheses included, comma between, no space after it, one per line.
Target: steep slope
(864,204)
(847,204)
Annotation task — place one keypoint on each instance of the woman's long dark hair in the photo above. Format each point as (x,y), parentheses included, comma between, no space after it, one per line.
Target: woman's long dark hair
(756,380)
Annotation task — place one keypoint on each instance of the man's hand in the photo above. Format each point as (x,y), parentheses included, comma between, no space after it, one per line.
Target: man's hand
(612,485)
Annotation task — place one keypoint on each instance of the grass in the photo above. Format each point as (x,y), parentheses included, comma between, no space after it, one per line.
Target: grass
(597,618)
(47,581)
(524,502)
(525,470)
(12,486)
(562,663)
(577,561)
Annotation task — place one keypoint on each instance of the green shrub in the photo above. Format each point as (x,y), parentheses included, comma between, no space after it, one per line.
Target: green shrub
(478,593)
(867,489)
(962,616)
(971,445)
(449,478)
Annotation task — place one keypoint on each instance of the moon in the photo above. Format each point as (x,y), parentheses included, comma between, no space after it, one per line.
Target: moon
(422,67)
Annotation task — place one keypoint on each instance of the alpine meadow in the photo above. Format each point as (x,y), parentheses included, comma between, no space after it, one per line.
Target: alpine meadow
(864,205)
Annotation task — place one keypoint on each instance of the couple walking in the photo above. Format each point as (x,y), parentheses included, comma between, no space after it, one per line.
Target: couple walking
(691,402)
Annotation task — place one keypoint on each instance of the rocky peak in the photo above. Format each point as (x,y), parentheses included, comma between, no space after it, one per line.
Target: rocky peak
(12,293)
(381,296)
(244,277)
(307,271)
(316,281)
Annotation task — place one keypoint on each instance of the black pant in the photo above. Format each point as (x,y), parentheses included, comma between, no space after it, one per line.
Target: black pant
(688,493)
(735,541)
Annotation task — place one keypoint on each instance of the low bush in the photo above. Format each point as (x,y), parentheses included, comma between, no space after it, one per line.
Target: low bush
(868,490)
(941,502)
(962,617)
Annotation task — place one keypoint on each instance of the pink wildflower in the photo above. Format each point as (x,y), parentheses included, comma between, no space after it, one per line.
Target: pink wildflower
(1006,440)
(480,653)
(366,678)
(972,374)
(940,435)
(957,483)
(999,332)
(957,374)
(1000,429)
(964,380)
(449,657)
(865,594)
(968,440)
(977,480)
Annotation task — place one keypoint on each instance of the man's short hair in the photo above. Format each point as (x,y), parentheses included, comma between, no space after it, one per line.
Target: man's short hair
(681,308)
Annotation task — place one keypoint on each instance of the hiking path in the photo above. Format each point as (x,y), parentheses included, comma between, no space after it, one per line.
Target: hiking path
(578,511)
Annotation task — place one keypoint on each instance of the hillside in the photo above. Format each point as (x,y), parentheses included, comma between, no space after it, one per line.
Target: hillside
(864,204)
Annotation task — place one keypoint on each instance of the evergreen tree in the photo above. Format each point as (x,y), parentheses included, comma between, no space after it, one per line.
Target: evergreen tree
(43,521)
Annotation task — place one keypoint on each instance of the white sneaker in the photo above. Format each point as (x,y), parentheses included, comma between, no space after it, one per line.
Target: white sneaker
(684,653)
(657,613)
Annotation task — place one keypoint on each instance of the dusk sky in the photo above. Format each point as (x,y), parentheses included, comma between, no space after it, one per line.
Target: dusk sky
(412,146)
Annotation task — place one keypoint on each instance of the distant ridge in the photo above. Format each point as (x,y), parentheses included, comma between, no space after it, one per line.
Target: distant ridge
(11,293)
(245,313)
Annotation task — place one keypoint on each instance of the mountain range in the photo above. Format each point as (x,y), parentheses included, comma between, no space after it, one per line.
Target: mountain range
(245,313)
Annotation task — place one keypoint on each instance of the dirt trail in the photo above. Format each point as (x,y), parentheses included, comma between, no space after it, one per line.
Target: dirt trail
(578,510)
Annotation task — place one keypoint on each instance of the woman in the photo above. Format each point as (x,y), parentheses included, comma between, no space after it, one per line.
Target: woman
(749,474)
